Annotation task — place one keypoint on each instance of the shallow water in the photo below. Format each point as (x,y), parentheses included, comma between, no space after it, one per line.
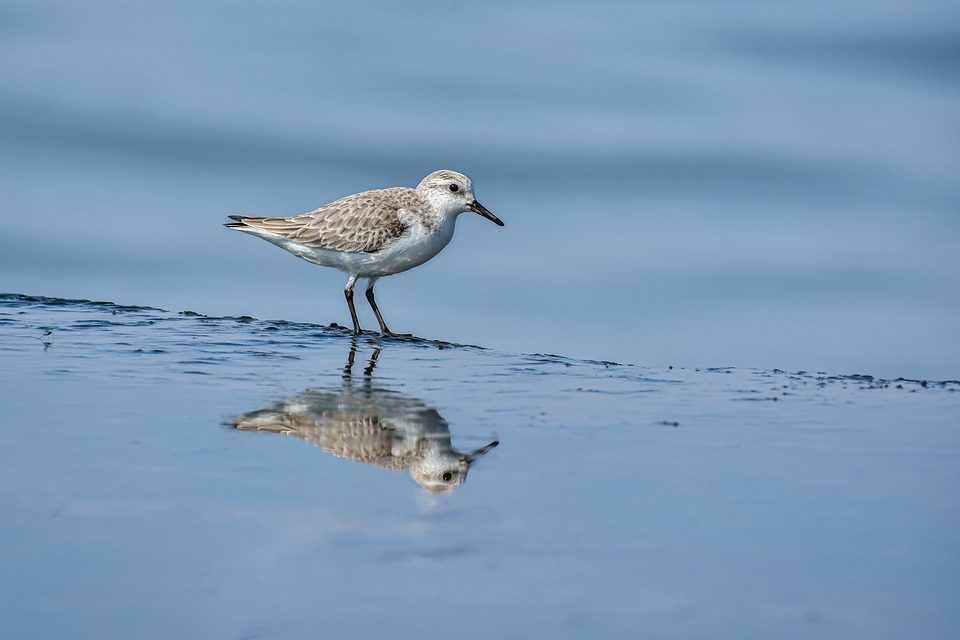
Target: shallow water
(621,500)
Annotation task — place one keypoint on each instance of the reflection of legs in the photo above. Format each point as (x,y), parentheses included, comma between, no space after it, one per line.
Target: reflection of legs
(373,303)
(368,371)
(351,357)
(348,368)
(348,292)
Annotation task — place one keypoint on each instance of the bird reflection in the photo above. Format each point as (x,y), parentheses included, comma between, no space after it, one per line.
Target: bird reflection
(369,424)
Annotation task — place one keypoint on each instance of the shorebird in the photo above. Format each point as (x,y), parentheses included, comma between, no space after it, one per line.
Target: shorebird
(374,233)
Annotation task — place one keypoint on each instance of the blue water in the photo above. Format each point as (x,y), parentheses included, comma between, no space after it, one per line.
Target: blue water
(693,184)
(621,501)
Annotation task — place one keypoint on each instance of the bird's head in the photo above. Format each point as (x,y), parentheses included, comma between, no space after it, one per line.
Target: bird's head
(453,193)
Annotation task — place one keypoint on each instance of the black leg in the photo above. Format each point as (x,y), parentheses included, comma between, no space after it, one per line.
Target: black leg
(348,292)
(383,325)
(376,310)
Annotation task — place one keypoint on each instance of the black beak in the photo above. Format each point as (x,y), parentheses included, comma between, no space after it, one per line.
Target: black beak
(476,207)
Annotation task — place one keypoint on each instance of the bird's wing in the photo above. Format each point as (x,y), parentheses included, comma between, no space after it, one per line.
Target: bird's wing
(363,222)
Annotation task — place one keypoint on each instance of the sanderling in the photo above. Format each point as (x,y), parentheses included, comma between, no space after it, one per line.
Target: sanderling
(374,233)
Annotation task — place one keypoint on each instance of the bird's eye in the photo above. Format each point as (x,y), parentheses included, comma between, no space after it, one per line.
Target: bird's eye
(447,476)
(454,187)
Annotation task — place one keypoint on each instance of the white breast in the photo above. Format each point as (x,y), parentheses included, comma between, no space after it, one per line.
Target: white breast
(417,245)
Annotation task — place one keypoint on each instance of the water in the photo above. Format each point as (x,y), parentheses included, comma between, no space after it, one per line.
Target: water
(679,503)
(691,184)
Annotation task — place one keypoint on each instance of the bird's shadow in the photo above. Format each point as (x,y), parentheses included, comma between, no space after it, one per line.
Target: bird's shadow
(367,423)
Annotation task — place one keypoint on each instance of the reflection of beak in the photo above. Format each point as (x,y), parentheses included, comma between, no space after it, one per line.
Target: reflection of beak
(476,207)
(471,457)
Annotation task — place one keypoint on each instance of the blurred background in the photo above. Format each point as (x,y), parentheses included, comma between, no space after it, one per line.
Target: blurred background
(736,183)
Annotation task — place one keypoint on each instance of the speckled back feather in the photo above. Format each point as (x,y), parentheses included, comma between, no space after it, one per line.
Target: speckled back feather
(363,222)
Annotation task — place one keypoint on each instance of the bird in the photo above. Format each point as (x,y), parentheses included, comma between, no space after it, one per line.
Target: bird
(374,233)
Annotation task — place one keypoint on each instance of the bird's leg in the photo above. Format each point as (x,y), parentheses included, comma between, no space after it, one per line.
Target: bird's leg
(376,310)
(384,329)
(348,292)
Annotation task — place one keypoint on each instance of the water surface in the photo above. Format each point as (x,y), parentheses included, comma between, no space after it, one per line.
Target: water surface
(621,500)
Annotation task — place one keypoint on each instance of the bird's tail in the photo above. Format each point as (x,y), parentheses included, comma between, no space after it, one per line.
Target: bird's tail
(240,221)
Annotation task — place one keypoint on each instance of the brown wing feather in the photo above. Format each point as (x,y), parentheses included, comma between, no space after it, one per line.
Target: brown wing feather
(363,222)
